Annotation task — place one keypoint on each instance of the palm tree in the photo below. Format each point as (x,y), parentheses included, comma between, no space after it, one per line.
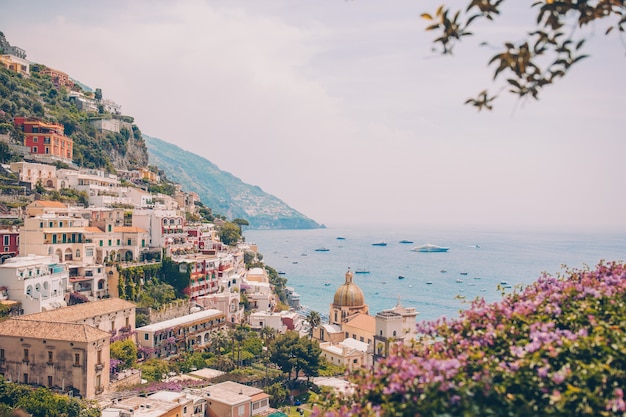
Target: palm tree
(314,319)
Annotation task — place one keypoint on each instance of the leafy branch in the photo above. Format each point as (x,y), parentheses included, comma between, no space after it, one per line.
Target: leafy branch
(519,63)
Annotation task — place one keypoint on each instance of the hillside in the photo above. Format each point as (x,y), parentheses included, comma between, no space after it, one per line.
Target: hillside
(222,191)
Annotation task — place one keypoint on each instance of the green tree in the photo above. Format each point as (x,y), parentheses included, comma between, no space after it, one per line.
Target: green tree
(153,370)
(278,395)
(230,234)
(156,294)
(556,39)
(241,222)
(125,351)
(314,320)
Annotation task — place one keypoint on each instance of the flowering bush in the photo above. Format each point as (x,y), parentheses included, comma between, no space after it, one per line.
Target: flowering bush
(554,348)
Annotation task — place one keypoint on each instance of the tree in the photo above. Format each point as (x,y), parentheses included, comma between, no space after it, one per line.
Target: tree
(553,40)
(230,234)
(314,319)
(241,222)
(290,352)
(125,351)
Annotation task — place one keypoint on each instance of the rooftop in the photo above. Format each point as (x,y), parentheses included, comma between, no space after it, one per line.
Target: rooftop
(72,332)
(82,311)
(178,321)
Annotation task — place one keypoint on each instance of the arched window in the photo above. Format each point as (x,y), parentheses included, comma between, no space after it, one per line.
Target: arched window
(29,290)
(394,333)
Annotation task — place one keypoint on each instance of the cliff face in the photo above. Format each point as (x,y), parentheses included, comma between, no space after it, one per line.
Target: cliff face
(223,192)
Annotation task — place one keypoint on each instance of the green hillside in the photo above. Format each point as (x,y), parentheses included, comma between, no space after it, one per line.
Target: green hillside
(222,191)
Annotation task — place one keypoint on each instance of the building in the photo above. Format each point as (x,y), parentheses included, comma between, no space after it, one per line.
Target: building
(227,302)
(9,243)
(349,353)
(112,315)
(66,356)
(144,407)
(59,78)
(34,173)
(15,64)
(236,400)
(63,233)
(46,140)
(38,282)
(189,332)
(396,325)
(347,302)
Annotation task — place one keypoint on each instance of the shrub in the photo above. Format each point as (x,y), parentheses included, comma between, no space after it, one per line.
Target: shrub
(555,348)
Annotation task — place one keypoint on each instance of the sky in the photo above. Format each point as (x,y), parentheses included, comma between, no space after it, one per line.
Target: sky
(341,109)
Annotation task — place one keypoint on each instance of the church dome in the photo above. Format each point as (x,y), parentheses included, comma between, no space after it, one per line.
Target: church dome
(349,294)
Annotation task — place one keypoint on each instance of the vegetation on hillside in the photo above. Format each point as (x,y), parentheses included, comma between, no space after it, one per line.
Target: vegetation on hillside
(554,348)
(37,97)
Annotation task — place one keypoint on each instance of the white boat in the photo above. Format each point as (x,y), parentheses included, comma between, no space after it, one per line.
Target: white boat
(429,248)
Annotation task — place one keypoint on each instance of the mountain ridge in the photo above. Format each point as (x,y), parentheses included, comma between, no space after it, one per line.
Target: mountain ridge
(225,193)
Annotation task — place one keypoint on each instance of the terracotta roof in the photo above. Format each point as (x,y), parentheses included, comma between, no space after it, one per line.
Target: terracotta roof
(73,332)
(129,229)
(80,312)
(363,322)
(48,203)
(93,229)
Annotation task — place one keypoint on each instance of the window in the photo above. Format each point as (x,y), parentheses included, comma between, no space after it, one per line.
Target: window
(6,240)
(78,253)
(394,333)
(1,354)
(129,242)
(35,139)
(118,242)
(353,360)
(50,356)
(146,336)
(109,242)
(47,149)
(77,359)
(50,380)
(89,252)
(25,379)
(112,325)
(101,243)
(109,228)
(34,151)
(127,321)
(99,357)
(25,355)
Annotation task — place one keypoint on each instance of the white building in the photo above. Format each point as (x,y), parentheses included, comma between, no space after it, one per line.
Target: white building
(33,173)
(192,331)
(38,282)
(227,302)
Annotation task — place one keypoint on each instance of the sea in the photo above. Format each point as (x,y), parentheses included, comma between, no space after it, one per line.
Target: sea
(479,263)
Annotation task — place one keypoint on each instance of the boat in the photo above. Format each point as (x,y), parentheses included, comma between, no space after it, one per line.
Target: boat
(322,249)
(381,243)
(429,283)
(341,238)
(281,272)
(327,283)
(406,241)
(429,248)
(361,271)
(443,271)
(400,276)
(459,280)
(463,273)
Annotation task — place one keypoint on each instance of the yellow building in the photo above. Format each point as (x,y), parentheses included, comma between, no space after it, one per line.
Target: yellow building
(60,355)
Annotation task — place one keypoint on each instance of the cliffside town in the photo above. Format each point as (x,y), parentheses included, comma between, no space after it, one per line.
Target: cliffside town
(102,255)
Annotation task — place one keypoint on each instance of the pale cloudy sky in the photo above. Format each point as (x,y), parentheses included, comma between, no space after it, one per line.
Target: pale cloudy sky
(340,108)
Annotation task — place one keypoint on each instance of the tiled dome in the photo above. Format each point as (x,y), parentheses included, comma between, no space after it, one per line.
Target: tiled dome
(349,294)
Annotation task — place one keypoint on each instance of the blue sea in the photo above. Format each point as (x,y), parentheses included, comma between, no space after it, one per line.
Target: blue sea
(478,263)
